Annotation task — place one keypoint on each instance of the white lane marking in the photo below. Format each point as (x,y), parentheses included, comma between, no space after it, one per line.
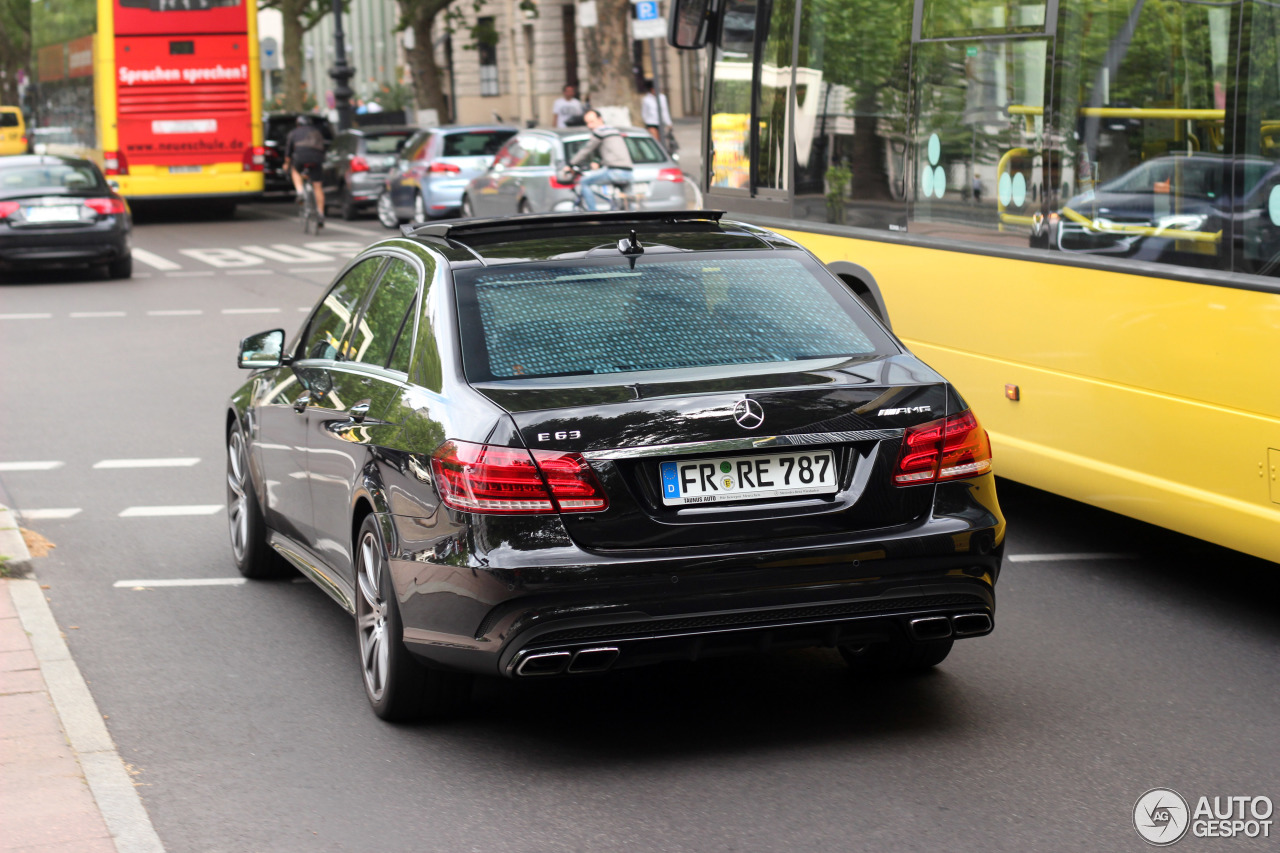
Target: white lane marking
(50,512)
(250,310)
(287,254)
(189,312)
(348,229)
(29,466)
(26,316)
(222,258)
(304,310)
(158,582)
(315,269)
(79,314)
(154,261)
(250,272)
(1062,558)
(142,275)
(167,511)
(190,274)
(346,248)
(174,462)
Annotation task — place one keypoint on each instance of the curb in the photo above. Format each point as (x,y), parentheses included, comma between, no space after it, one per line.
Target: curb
(104,771)
(14,556)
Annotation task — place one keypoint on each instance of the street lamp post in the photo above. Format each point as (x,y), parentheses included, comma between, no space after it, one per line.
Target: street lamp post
(341,72)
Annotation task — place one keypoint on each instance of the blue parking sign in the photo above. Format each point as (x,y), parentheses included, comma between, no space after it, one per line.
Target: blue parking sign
(647,10)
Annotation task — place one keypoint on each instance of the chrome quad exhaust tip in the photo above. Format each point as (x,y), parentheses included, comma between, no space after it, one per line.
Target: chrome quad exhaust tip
(971,624)
(574,663)
(931,628)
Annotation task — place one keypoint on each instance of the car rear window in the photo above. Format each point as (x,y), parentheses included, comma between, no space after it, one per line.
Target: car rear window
(571,318)
(386,143)
(476,143)
(8,119)
(63,176)
(643,150)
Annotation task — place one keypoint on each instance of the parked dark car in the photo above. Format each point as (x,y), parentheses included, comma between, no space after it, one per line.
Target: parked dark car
(357,164)
(568,444)
(524,177)
(434,168)
(275,128)
(56,211)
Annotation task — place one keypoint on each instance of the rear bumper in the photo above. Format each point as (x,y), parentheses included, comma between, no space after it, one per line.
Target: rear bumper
(471,615)
(100,243)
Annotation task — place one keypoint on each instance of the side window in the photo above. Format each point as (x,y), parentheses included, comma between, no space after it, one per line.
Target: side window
(644,150)
(375,333)
(509,155)
(773,170)
(539,151)
(329,324)
(730,165)
(1145,162)
(1257,128)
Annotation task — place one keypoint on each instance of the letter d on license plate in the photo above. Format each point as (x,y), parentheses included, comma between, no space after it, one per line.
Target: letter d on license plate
(744,478)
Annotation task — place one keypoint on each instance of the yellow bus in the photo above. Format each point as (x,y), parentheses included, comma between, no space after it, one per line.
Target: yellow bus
(1071,208)
(165,95)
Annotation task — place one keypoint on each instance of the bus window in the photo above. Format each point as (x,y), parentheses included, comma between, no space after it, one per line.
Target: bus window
(977,146)
(967,18)
(1146,169)
(850,113)
(730,162)
(773,170)
(1258,129)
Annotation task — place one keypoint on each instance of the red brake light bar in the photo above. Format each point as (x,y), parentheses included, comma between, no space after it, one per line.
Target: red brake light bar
(115,163)
(254,158)
(359,164)
(438,166)
(105,206)
(7,208)
(511,480)
(947,449)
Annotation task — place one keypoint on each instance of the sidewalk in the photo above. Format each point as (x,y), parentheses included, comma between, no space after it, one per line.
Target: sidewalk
(63,786)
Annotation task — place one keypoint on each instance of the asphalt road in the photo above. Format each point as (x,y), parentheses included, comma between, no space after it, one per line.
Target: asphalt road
(1125,657)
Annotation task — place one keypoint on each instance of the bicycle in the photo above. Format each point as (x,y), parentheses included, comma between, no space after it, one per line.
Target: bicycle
(616,196)
(307,211)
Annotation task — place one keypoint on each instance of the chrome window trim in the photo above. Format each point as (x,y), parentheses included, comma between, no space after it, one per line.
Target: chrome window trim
(744,443)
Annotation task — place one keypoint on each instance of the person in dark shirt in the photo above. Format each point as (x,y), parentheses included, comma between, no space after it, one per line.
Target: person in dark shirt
(304,155)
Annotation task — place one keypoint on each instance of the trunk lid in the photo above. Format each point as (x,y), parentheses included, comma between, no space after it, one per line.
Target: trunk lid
(630,424)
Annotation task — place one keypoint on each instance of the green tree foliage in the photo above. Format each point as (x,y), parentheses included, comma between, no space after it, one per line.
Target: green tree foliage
(15,47)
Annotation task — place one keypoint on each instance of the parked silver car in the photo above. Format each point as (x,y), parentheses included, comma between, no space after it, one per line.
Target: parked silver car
(434,168)
(522,178)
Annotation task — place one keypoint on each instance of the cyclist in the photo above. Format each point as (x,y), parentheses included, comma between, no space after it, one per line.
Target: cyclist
(304,155)
(607,151)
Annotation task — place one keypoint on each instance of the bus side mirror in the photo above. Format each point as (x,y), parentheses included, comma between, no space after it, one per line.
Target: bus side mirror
(690,23)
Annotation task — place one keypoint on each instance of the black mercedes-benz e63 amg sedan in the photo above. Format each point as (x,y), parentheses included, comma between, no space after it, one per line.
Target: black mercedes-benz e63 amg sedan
(555,445)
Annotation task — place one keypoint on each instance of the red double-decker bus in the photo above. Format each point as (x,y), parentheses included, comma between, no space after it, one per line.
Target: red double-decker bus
(164,94)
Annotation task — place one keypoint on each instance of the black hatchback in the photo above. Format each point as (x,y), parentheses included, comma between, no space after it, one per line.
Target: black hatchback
(559,445)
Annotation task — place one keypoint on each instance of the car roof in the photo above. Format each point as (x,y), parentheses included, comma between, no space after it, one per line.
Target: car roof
(571,132)
(564,236)
(41,159)
(378,129)
(473,128)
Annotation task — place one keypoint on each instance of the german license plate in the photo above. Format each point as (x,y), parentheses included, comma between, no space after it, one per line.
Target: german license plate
(640,188)
(183,170)
(60,213)
(742,478)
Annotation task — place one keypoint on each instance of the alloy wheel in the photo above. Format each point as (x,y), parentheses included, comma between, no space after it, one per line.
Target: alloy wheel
(419,210)
(237,495)
(387,211)
(371,617)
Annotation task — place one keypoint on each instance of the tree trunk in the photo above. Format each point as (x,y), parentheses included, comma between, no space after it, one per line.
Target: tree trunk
(291,53)
(609,58)
(428,91)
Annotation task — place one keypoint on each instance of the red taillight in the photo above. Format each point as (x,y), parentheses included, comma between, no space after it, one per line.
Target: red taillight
(254,158)
(7,208)
(949,449)
(488,479)
(437,167)
(115,163)
(105,206)
(359,164)
(675,176)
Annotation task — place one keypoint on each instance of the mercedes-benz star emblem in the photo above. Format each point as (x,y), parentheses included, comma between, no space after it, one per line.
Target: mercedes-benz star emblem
(748,413)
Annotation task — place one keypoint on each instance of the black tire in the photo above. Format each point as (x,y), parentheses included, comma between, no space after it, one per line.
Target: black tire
(249,549)
(897,657)
(467,210)
(348,207)
(121,267)
(400,688)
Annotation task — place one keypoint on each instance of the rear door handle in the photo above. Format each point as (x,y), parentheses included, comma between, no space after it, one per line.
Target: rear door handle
(300,404)
(358,411)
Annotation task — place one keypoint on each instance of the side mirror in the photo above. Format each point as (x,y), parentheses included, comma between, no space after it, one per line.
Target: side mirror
(689,23)
(265,349)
